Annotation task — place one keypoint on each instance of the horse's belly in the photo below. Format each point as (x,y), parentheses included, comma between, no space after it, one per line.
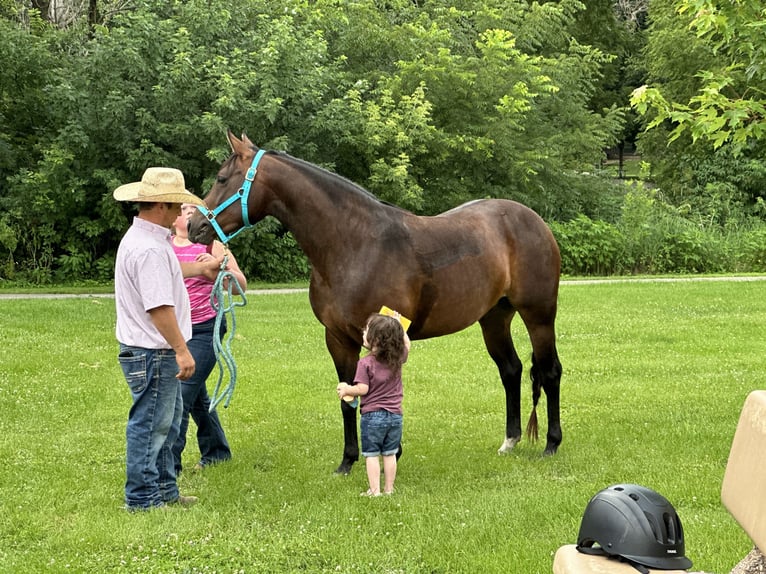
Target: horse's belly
(451,304)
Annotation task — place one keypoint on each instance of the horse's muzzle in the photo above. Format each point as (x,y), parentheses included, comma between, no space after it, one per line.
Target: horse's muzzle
(200,230)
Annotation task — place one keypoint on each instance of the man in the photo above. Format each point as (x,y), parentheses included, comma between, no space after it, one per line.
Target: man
(153,325)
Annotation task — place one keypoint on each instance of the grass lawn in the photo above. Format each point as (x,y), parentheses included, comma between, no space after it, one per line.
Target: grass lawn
(655,375)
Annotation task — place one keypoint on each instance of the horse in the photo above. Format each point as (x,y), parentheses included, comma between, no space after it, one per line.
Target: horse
(484,261)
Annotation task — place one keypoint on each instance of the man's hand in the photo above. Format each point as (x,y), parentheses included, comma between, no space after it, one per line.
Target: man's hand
(164,318)
(186,365)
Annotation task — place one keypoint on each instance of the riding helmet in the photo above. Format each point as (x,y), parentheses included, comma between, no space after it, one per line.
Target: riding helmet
(634,523)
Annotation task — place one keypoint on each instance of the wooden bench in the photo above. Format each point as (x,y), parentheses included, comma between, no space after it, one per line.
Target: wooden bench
(743,493)
(569,561)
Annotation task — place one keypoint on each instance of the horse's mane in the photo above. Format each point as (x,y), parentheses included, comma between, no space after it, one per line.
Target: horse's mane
(340,184)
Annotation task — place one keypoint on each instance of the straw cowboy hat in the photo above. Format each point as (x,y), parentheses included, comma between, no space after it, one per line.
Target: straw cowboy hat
(158,184)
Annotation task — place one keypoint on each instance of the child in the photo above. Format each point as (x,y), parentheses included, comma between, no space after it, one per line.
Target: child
(378,380)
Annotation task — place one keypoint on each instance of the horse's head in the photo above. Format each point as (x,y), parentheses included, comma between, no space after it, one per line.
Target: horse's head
(226,211)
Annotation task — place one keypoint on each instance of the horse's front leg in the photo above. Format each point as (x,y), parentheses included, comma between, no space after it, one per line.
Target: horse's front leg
(345,355)
(350,439)
(495,327)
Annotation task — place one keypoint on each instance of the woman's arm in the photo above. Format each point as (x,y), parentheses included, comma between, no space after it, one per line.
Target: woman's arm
(219,250)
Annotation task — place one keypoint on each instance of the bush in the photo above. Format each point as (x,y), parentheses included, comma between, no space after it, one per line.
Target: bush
(589,247)
(686,249)
(750,254)
(652,236)
(270,254)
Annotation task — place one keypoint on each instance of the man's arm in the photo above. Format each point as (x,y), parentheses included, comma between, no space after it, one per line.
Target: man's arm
(164,318)
(209,267)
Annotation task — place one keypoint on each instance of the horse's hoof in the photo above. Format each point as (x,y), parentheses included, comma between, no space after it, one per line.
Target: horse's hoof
(550,450)
(507,446)
(344,468)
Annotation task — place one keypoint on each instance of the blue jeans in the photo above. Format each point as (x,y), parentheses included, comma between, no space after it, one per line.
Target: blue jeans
(153,425)
(381,433)
(213,446)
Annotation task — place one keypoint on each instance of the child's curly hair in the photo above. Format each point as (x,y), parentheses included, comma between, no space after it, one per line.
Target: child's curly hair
(385,336)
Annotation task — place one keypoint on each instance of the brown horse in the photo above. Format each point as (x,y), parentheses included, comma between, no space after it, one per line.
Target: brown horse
(483,261)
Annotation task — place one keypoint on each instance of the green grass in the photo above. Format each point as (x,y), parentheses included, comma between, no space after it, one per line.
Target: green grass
(655,375)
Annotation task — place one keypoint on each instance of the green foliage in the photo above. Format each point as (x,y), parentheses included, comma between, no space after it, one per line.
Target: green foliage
(386,131)
(270,254)
(661,240)
(700,146)
(728,107)
(427,105)
(564,196)
(462,101)
(750,250)
(24,114)
(653,236)
(589,247)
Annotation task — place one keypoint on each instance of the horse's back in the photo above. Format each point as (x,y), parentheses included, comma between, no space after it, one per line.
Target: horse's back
(473,256)
(514,232)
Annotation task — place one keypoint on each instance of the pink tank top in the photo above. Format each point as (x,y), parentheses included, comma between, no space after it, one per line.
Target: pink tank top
(199,288)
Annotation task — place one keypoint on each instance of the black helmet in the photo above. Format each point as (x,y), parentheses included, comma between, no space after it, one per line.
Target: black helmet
(636,524)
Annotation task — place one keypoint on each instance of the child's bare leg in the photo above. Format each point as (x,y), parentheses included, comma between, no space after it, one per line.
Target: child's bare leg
(373,473)
(389,472)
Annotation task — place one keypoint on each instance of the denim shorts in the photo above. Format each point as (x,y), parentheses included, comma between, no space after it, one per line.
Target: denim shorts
(381,433)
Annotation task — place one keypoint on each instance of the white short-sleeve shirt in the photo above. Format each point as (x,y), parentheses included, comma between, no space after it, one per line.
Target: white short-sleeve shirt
(147,275)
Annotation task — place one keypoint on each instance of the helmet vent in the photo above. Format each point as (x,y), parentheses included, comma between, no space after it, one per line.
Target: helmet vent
(670,528)
(656,528)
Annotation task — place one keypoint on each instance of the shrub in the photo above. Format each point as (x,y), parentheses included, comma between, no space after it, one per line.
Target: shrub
(589,247)
(688,249)
(269,253)
(750,254)
(654,236)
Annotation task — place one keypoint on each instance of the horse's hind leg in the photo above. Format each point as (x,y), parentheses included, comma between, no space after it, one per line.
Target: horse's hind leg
(496,329)
(546,373)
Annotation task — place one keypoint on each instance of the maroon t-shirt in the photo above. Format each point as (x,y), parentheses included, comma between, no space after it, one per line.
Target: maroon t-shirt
(385,386)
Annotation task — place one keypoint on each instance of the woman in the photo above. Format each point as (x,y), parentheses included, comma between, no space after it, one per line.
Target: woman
(213,445)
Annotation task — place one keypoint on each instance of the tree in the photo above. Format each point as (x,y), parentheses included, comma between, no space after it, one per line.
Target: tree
(426,105)
(730,105)
(502,92)
(699,161)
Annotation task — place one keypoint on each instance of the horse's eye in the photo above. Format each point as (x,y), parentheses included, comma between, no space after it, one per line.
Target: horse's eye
(221,179)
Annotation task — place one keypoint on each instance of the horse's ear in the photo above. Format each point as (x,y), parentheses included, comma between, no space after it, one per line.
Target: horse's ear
(247,141)
(233,141)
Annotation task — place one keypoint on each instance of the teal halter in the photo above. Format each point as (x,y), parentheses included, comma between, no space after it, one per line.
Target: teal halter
(242,195)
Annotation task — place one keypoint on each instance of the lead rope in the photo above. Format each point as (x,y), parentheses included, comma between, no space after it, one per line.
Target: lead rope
(222,300)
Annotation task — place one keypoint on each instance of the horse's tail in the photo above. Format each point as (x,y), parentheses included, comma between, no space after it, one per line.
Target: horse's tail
(532,433)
